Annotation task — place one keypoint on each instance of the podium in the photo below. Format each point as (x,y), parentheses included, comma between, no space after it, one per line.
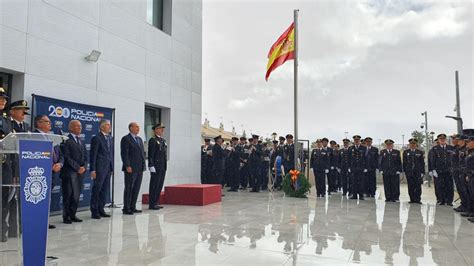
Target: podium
(25,193)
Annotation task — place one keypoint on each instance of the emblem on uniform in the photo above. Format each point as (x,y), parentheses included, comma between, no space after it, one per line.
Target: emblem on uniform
(35,186)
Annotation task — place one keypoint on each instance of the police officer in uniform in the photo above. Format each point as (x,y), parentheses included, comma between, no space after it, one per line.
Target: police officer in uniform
(265,166)
(206,161)
(358,167)
(457,171)
(330,178)
(289,154)
(255,164)
(391,166)
(441,170)
(334,166)
(469,173)
(320,162)
(157,164)
(18,110)
(244,159)
(7,171)
(372,155)
(344,165)
(218,161)
(233,164)
(414,168)
(430,166)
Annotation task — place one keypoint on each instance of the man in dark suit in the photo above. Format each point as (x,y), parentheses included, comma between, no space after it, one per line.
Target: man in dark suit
(157,163)
(218,161)
(440,168)
(133,158)
(101,167)
(72,174)
(414,168)
(43,126)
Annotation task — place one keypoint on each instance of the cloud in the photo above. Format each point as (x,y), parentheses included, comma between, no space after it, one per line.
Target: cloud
(361,64)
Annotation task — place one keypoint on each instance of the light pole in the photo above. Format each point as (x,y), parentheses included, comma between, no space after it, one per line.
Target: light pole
(427,146)
(403,140)
(345,133)
(458,117)
(274,135)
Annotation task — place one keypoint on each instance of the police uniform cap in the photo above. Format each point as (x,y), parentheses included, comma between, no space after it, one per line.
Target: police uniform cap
(250,139)
(441,136)
(412,140)
(207,139)
(463,137)
(160,125)
(281,138)
(255,136)
(325,139)
(217,138)
(22,104)
(3,93)
(346,140)
(289,136)
(243,138)
(275,142)
(260,141)
(235,138)
(356,137)
(368,139)
(333,142)
(468,132)
(389,141)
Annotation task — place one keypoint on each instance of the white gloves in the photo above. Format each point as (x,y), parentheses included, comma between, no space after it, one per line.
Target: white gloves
(332,167)
(365,170)
(430,173)
(326,171)
(152,169)
(435,174)
(398,173)
(338,170)
(381,172)
(349,170)
(422,175)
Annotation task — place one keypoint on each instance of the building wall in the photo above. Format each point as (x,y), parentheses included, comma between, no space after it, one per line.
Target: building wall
(44,42)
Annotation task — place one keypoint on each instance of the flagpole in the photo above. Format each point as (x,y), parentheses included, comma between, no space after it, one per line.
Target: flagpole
(295,72)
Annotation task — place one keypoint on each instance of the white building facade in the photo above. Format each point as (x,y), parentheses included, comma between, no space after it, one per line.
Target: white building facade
(144,65)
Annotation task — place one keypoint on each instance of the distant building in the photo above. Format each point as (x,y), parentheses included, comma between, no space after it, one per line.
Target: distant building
(210,132)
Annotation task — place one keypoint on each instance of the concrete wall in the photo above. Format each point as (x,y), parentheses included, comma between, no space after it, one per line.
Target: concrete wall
(44,42)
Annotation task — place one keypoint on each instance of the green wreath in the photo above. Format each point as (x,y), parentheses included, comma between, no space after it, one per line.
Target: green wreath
(302,186)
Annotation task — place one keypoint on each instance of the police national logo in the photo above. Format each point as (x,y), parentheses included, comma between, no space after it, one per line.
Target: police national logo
(35,186)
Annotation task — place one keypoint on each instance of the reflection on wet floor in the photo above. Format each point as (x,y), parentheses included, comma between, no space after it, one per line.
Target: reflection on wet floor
(261,229)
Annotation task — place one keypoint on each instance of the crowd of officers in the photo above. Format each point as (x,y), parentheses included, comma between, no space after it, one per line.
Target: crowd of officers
(350,169)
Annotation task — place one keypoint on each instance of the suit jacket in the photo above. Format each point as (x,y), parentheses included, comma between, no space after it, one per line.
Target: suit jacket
(157,153)
(358,158)
(413,162)
(441,158)
(320,159)
(132,153)
(101,155)
(218,156)
(75,156)
(58,157)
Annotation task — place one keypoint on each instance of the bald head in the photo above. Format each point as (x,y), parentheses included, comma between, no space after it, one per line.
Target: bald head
(75,127)
(134,128)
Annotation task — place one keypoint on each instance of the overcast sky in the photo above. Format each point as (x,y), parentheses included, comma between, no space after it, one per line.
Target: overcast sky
(365,67)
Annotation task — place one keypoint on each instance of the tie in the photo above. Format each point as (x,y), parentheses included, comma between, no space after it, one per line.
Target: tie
(77,140)
(108,141)
(21,126)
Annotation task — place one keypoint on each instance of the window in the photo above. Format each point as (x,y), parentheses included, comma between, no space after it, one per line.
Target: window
(158,14)
(152,117)
(6,82)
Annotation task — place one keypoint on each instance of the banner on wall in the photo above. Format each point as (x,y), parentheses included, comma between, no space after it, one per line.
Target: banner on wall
(60,113)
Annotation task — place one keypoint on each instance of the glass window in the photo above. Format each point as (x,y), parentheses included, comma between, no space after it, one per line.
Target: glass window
(152,117)
(158,14)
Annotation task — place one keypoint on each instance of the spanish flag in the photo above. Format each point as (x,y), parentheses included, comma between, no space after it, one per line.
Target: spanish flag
(282,50)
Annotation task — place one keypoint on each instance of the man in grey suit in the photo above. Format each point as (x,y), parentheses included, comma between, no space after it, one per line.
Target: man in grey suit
(133,159)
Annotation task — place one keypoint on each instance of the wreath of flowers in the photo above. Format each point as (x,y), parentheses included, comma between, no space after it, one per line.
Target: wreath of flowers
(295,184)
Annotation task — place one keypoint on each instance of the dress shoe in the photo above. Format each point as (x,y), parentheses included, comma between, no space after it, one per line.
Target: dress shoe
(4,238)
(232,190)
(137,211)
(67,221)
(459,209)
(471,219)
(361,198)
(104,215)
(76,220)
(51,226)
(153,208)
(449,204)
(353,197)
(95,216)
(440,203)
(159,206)
(467,214)
(127,212)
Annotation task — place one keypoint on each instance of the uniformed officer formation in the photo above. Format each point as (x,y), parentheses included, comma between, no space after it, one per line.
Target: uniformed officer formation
(350,169)
(246,163)
(70,163)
